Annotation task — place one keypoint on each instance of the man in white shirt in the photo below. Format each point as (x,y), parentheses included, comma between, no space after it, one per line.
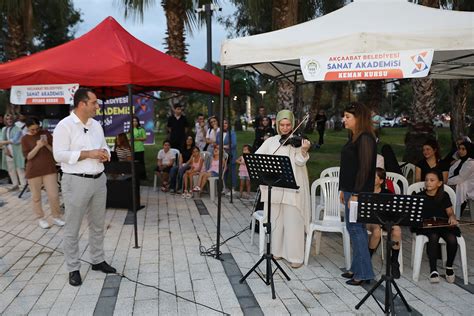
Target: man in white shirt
(79,145)
(164,162)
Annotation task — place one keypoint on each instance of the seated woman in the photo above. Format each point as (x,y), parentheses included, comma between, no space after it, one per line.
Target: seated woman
(212,171)
(438,206)
(376,230)
(432,160)
(123,148)
(461,175)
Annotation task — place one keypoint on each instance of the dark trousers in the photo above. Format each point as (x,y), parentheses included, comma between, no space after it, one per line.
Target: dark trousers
(321,136)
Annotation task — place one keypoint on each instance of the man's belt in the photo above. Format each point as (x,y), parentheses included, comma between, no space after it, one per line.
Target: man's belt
(85,175)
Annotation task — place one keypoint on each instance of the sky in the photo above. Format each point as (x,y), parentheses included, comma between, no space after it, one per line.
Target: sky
(152,30)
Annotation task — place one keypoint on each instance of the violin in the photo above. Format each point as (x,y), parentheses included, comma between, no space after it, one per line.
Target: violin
(294,140)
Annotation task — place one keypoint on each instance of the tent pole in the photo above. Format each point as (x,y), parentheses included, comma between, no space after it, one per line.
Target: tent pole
(221,155)
(232,171)
(134,174)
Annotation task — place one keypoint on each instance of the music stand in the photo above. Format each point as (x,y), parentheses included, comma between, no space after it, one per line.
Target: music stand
(389,210)
(272,171)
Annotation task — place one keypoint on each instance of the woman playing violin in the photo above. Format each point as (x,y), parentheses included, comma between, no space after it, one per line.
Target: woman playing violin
(438,206)
(290,208)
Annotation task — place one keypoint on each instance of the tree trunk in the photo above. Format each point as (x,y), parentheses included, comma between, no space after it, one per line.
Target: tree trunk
(420,127)
(284,14)
(375,94)
(315,106)
(175,33)
(460,89)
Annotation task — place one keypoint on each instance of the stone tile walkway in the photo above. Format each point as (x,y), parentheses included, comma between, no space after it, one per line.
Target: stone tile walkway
(168,276)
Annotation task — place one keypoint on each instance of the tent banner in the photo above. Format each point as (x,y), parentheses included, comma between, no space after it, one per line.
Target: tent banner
(43,94)
(114,116)
(368,66)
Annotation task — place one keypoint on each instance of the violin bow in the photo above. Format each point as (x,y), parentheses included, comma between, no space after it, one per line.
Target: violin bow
(306,117)
(460,223)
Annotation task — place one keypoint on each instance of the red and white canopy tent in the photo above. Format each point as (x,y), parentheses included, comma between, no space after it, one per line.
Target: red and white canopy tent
(114,63)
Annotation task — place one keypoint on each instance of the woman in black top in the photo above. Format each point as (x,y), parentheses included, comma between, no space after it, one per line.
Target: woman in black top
(432,160)
(357,174)
(438,206)
(264,131)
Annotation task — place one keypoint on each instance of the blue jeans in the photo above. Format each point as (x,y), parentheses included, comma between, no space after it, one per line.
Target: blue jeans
(361,263)
(176,175)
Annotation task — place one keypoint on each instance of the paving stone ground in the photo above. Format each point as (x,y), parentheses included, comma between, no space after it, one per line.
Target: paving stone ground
(167,275)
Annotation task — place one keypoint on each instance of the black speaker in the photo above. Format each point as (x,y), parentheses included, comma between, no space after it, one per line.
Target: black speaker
(56,111)
(32,110)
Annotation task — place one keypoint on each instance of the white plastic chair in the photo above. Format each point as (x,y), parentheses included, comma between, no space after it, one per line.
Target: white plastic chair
(258,215)
(176,162)
(408,168)
(330,172)
(419,241)
(398,179)
(331,221)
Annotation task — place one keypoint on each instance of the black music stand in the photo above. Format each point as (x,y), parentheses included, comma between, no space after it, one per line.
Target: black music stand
(389,210)
(272,171)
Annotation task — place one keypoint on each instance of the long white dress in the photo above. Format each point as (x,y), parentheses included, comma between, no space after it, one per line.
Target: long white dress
(290,209)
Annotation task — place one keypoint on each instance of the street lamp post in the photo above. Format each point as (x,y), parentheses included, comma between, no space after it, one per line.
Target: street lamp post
(208,9)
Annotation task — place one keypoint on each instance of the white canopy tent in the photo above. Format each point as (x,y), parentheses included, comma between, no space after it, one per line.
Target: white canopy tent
(363,26)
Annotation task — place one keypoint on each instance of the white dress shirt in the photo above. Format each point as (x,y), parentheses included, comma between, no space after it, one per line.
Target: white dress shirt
(70,137)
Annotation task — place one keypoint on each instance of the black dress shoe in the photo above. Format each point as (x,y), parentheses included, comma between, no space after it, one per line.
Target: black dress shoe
(75,278)
(104,267)
(356,283)
(347,275)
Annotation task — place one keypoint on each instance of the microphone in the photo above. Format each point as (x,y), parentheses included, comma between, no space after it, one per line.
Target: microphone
(85,130)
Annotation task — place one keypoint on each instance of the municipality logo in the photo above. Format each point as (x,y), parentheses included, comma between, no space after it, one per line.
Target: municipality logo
(312,67)
(420,63)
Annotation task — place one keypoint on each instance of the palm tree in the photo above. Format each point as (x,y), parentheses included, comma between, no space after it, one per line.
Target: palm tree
(420,127)
(19,17)
(180,17)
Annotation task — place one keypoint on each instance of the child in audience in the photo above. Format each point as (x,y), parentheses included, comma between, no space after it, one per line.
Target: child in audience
(243,173)
(195,166)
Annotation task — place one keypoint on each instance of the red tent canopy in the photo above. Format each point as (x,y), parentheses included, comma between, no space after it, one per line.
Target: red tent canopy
(108,58)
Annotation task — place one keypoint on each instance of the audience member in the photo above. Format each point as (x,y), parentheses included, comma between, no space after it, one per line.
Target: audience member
(201,131)
(211,171)
(211,135)
(230,147)
(41,171)
(262,132)
(164,162)
(177,127)
(123,148)
(461,176)
(12,156)
(195,164)
(243,172)
(139,135)
(176,173)
(262,112)
(431,160)
(321,125)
